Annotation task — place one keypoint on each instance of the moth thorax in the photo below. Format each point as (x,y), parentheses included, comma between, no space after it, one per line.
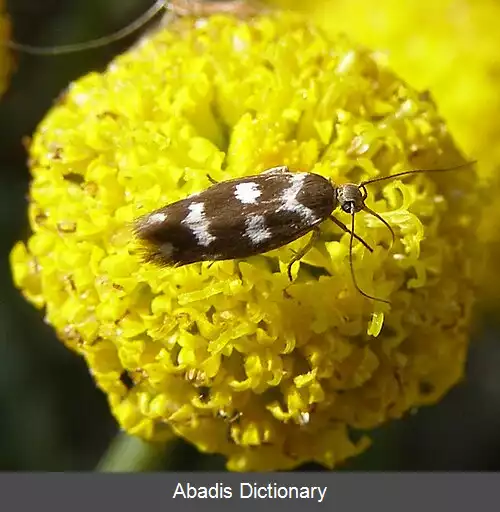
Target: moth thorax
(350,198)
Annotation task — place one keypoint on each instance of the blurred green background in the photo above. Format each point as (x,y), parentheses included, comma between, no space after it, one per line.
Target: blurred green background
(52,418)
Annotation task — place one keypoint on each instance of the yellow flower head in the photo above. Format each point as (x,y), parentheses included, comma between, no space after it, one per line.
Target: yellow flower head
(5,59)
(230,355)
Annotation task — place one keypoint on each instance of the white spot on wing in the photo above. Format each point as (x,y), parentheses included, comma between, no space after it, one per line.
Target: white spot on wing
(290,202)
(256,229)
(157,218)
(199,224)
(247,192)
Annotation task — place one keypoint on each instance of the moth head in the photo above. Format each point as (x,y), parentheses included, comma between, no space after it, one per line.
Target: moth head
(351,198)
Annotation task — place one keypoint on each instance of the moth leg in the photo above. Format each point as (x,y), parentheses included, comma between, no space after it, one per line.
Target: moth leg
(211,180)
(300,254)
(342,226)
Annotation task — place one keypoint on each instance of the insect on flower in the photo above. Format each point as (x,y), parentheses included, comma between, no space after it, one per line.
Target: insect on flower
(252,215)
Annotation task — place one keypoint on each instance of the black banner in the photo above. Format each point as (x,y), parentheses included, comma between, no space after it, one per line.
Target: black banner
(246,491)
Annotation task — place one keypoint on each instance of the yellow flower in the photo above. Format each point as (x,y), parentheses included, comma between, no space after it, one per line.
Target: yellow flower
(5,59)
(230,355)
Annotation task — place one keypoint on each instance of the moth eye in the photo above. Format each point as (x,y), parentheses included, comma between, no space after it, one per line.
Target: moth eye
(348,207)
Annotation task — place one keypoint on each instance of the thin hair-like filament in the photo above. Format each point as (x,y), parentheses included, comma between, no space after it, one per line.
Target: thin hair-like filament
(353,275)
(415,171)
(94,43)
(381,219)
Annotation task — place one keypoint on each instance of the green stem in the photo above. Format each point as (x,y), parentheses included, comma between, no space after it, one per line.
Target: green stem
(130,454)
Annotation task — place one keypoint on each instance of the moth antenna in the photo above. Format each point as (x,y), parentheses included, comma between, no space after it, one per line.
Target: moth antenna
(94,43)
(364,193)
(351,266)
(416,171)
(381,219)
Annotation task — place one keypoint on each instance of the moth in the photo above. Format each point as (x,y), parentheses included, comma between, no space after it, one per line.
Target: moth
(252,215)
